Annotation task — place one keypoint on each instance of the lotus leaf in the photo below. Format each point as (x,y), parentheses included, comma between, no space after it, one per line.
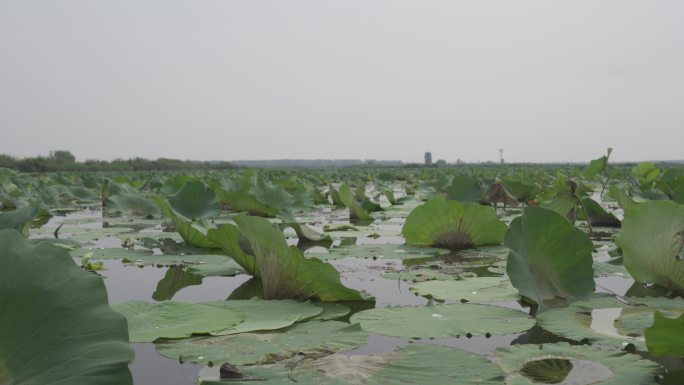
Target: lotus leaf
(309,339)
(150,321)
(468,289)
(651,240)
(442,321)
(409,364)
(567,364)
(666,335)
(453,225)
(549,257)
(56,326)
(195,201)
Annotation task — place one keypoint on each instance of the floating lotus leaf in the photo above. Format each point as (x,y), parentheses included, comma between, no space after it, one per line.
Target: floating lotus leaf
(453,225)
(562,363)
(607,321)
(380,251)
(651,240)
(443,321)
(55,324)
(206,265)
(666,335)
(150,321)
(468,289)
(283,270)
(549,257)
(195,201)
(266,314)
(308,339)
(409,364)
(331,311)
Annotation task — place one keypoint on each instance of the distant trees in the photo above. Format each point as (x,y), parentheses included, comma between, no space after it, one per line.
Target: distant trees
(62,160)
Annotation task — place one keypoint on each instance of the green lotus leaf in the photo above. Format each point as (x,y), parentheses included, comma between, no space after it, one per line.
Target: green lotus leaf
(356,211)
(331,311)
(409,364)
(647,173)
(452,225)
(308,339)
(442,321)
(239,197)
(562,363)
(522,190)
(468,289)
(19,219)
(170,319)
(195,201)
(597,215)
(622,197)
(597,166)
(266,314)
(192,232)
(464,189)
(56,326)
(605,320)
(665,336)
(124,198)
(651,240)
(284,271)
(207,265)
(549,257)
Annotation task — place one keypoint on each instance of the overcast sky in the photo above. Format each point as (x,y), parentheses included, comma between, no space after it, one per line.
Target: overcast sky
(226,80)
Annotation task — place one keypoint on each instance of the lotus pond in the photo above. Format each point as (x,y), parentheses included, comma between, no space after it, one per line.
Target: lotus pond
(455,275)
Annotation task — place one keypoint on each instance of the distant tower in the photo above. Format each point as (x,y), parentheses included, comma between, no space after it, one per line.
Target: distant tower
(501,156)
(428,158)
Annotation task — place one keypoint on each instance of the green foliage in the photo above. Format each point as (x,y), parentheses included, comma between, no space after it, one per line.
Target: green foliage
(57,327)
(452,225)
(665,336)
(549,258)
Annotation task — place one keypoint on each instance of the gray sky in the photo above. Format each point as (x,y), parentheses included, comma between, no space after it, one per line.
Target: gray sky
(545,80)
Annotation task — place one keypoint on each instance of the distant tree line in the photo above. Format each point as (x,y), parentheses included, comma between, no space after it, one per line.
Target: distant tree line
(65,161)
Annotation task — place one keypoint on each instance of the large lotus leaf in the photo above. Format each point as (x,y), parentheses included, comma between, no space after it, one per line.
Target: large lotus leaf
(549,257)
(468,289)
(266,314)
(605,320)
(442,321)
(229,239)
(284,271)
(666,335)
(131,201)
(55,324)
(174,280)
(238,196)
(150,321)
(597,165)
(597,215)
(19,219)
(522,190)
(356,211)
(278,197)
(464,189)
(195,201)
(453,225)
(647,173)
(192,232)
(380,251)
(206,265)
(651,240)
(331,311)
(622,197)
(409,364)
(562,363)
(308,339)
